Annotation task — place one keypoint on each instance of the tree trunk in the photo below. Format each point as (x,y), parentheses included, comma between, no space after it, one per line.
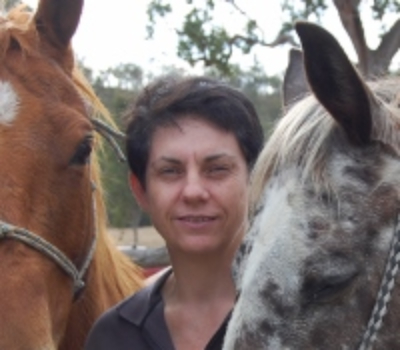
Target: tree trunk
(372,64)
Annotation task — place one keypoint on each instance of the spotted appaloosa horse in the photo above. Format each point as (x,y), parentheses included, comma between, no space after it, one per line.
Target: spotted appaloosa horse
(51,238)
(317,267)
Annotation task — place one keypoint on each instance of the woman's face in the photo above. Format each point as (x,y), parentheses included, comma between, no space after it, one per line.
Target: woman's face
(196,187)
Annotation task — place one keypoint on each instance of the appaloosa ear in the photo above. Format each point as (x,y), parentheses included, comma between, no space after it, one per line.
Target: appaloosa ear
(57,20)
(336,83)
(295,85)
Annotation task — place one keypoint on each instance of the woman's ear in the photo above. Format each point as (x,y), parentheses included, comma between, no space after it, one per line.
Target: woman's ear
(138,191)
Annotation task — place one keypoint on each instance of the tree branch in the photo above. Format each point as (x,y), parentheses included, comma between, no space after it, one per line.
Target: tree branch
(279,40)
(350,18)
(243,13)
(388,47)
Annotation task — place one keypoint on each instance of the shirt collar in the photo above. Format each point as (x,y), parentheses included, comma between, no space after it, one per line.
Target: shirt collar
(143,301)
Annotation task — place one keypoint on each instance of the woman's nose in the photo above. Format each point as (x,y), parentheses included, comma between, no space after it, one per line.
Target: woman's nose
(195,188)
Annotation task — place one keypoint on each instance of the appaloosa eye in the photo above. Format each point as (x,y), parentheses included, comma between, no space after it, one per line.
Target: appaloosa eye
(82,154)
(324,289)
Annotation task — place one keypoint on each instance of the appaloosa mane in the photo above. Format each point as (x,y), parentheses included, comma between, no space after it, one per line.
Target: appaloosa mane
(318,267)
(53,237)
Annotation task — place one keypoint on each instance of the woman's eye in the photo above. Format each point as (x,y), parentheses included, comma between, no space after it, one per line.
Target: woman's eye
(82,154)
(170,172)
(218,170)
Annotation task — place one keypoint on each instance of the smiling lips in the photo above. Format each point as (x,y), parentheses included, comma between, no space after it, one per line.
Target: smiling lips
(196,219)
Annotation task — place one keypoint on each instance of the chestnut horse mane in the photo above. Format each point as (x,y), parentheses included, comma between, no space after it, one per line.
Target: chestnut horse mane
(112,264)
(304,135)
(112,275)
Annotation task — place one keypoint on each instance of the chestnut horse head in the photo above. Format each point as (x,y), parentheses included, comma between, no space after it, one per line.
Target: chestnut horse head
(52,238)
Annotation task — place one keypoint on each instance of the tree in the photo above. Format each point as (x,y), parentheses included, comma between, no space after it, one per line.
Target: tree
(202,41)
(125,76)
(263,91)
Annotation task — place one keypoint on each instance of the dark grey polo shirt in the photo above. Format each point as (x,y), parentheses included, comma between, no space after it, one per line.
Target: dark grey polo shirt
(138,323)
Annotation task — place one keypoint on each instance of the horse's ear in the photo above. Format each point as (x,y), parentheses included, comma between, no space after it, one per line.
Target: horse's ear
(335,82)
(295,85)
(57,20)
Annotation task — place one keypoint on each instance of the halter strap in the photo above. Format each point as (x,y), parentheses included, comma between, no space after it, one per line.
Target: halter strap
(385,292)
(8,231)
(109,135)
(52,252)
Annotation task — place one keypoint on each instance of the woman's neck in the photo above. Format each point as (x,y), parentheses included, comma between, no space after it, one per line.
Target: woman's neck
(199,279)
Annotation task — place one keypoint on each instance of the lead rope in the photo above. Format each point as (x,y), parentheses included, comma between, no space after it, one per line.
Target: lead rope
(384,294)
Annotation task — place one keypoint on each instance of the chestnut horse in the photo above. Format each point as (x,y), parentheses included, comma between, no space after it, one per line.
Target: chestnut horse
(53,237)
(318,268)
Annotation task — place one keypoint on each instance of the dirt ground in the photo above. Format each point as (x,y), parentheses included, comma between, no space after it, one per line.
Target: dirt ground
(146,236)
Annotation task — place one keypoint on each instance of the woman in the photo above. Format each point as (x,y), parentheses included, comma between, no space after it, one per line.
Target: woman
(191,144)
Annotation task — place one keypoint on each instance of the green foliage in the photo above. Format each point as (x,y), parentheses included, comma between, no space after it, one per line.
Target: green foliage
(124,77)
(304,9)
(301,10)
(262,90)
(122,208)
(157,8)
(200,39)
(382,7)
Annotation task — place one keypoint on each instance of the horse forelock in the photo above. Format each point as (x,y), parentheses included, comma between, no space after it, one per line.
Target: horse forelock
(17,26)
(386,116)
(298,138)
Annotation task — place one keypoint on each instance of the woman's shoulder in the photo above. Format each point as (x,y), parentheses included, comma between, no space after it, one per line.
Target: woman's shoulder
(111,331)
(136,308)
(120,323)
(121,326)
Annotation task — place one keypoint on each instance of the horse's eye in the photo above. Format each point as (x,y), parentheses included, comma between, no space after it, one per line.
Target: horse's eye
(327,288)
(82,154)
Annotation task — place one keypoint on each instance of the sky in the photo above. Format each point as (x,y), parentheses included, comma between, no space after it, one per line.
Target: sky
(114,32)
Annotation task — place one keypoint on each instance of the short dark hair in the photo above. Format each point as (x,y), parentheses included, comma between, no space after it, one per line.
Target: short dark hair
(171,98)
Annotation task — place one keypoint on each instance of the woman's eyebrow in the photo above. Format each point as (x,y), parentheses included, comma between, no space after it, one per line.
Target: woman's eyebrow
(218,156)
(167,160)
(207,159)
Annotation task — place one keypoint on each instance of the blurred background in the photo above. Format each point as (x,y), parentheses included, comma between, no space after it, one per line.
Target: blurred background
(123,44)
